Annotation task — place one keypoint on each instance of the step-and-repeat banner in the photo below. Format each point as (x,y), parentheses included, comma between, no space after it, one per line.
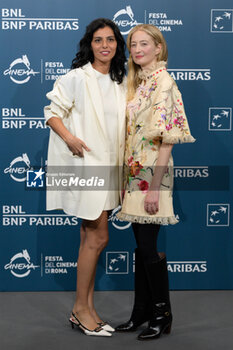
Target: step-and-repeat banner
(39,249)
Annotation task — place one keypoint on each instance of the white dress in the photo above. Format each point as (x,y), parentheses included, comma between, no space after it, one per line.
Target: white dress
(109,102)
(76,99)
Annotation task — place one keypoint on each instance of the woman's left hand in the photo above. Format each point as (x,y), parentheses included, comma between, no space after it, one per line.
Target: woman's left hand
(151,202)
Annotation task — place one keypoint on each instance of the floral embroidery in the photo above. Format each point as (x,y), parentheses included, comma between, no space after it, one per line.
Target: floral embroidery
(151,115)
(168,126)
(152,142)
(144,91)
(177,120)
(154,115)
(143,186)
(130,160)
(135,168)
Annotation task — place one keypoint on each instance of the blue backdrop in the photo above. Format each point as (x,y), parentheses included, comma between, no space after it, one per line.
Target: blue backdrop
(38,249)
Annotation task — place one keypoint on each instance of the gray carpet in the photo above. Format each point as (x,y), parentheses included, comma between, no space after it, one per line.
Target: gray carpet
(203,320)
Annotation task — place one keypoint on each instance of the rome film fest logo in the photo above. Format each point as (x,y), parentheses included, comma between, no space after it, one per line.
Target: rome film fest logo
(57,265)
(124,18)
(18,167)
(117,223)
(20,265)
(20,70)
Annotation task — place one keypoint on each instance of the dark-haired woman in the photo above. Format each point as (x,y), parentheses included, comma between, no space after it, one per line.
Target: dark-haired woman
(87,120)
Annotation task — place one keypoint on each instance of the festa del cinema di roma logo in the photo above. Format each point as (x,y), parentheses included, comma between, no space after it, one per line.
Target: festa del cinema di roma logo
(18,168)
(125,20)
(20,71)
(20,264)
(117,223)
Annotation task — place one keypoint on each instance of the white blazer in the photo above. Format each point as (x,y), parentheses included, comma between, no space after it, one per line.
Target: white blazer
(76,99)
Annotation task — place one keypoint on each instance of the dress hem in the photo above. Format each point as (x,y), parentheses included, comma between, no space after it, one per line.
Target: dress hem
(147,220)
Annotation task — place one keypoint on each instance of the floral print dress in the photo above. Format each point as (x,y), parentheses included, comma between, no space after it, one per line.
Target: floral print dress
(156,115)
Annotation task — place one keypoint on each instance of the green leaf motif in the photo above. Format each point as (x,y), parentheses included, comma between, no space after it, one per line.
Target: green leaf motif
(130,179)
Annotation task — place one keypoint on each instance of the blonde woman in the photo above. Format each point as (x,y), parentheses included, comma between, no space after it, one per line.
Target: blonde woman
(155,121)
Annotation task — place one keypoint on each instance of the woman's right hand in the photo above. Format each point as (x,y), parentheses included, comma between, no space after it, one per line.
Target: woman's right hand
(76,146)
(151,202)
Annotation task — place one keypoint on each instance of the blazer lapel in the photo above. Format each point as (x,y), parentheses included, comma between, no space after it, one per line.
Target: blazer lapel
(95,96)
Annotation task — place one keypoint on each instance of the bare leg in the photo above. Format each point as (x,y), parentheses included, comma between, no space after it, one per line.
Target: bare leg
(94,238)
(91,301)
(92,284)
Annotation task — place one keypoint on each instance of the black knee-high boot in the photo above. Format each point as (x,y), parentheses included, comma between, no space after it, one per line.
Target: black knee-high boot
(142,301)
(161,319)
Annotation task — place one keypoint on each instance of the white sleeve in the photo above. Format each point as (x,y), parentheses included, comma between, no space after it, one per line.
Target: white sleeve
(62,97)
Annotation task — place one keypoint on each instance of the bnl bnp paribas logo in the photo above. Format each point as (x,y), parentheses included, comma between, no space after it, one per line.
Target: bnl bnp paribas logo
(20,71)
(15,19)
(20,264)
(218,214)
(220,118)
(221,21)
(125,20)
(117,263)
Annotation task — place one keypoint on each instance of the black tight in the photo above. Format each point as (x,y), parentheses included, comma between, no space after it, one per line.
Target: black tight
(146,238)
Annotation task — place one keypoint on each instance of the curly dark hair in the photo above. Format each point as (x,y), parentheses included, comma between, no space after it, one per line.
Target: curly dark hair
(85,54)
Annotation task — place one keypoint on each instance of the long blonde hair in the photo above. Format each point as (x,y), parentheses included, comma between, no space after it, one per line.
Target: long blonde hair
(133,79)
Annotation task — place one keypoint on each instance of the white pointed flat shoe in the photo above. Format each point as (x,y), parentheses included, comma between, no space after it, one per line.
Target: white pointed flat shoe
(98,331)
(106,326)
